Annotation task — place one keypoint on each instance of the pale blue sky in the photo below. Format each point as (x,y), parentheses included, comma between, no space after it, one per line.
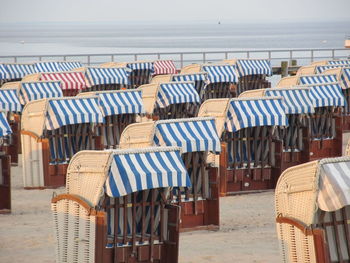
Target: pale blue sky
(173,11)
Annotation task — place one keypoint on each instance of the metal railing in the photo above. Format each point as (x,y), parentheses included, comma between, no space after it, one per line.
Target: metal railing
(303,56)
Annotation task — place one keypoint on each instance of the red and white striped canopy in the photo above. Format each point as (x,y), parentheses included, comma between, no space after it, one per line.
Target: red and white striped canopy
(163,67)
(69,80)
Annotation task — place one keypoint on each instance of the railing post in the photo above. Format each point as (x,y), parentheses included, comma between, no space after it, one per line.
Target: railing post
(135,57)
(226,55)
(312,55)
(181,60)
(269,53)
(112,58)
(15,59)
(333,54)
(64,58)
(40,58)
(290,55)
(88,60)
(204,58)
(248,54)
(158,56)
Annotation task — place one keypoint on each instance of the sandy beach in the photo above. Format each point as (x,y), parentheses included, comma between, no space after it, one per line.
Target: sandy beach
(247,232)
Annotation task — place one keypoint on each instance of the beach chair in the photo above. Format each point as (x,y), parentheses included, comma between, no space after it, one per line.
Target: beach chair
(53,130)
(105,78)
(250,147)
(252,73)
(170,100)
(200,145)
(5,166)
(287,82)
(11,107)
(56,66)
(164,67)
(111,213)
(306,70)
(313,210)
(18,71)
(120,108)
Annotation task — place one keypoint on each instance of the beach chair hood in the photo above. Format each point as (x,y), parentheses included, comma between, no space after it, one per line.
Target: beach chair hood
(29,91)
(9,101)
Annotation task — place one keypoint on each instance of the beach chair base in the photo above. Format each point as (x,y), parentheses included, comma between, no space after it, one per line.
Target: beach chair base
(14,149)
(5,184)
(346,123)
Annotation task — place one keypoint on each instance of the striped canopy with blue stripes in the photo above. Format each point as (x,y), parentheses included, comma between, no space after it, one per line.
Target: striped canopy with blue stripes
(18,71)
(254,67)
(69,66)
(339,62)
(318,79)
(143,169)
(3,72)
(297,100)
(190,77)
(67,111)
(9,100)
(121,102)
(244,113)
(221,73)
(41,67)
(176,93)
(5,128)
(39,90)
(321,69)
(327,95)
(140,66)
(192,135)
(100,76)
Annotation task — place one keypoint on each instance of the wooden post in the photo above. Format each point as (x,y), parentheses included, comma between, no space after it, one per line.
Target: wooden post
(293,62)
(284,69)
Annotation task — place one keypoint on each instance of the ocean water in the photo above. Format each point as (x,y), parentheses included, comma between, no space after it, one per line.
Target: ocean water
(97,38)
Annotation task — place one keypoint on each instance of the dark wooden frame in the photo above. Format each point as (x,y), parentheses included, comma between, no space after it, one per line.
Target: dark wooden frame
(346,112)
(5,187)
(251,82)
(176,111)
(140,77)
(13,148)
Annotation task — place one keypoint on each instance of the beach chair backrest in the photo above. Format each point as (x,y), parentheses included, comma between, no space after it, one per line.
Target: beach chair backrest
(31,77)
(160,79)
(11,85)
(306,70)
(256,93)
(138,135)
(149,96)
(319,63)
(287,82)
(193,68)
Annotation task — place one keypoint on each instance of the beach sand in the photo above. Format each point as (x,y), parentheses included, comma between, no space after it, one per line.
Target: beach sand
(247,232)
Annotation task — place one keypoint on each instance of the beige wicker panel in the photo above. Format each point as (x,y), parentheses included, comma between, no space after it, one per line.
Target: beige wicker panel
(320,63)
(31,77)
(252,93)
(306,70)
(114,65)
(230,61)
(75,232)
(287,82)
(11,85)
(137,135)
(215,108)
(32,162)
(149,96)
(33,116)
(86,175)
(193,68)
(81,69)
(86,94)
(347,149)
(161,79)
(295,197)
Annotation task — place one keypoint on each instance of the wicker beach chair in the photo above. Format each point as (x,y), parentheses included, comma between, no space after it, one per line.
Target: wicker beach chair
(200,144)
(287,82)
(111,213)
(313,210)
(250,147)
(319,63)
(53,130)
(170,100)
(164,67)
(306,70)
(5,166)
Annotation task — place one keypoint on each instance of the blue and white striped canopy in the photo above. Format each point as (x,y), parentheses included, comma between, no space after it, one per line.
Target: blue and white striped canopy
(3,72)
(100,76)
(321,69)
(339,62)
(318,79)
(67,111)
(9,100)
(143,169)
(192,135)
(254,67)
(244,113)
(52,66)
(221,73)
(297,100)
(176,93)
(69,66)
(140,66)
(122,102)
(190,77)
(327,95)
(39,90)
(18,71)
(5,128)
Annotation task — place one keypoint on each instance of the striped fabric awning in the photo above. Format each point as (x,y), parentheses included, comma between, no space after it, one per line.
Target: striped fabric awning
(121,102)
(140,66)
(244,113)
(297,100)
(162,67)
(66,111)
(221,73)
(321,69)
(143,169)
(3,72)
(38,90)
(318,79)
(69,80)
(41,67)
(9,100)
(100,76)
(176,93)
(334,184)
(5,128)
(18,71)
(339,62)
(192,135)
(327,95)
(254,67)
(69,66)
(191,77)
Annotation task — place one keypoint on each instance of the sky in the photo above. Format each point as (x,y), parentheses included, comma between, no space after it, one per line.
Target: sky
(178,11)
